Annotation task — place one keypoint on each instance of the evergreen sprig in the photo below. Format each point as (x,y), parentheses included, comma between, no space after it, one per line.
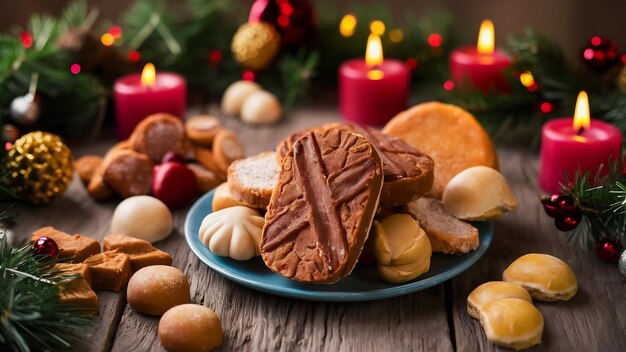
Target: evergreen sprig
(31,316)
(602,202)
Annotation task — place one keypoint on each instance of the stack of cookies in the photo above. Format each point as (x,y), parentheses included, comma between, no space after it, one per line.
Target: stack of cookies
(161,152)
(324,188)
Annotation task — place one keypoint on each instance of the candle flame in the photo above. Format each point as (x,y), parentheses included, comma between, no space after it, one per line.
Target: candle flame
(486,36)
(148,75)
(374,51)
(347,25)
(582,118)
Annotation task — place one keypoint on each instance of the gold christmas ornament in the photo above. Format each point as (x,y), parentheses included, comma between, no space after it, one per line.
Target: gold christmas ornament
(621,79)
(255,45)
(40,167)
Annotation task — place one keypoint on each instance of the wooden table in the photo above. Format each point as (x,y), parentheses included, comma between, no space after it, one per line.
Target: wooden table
(429,320)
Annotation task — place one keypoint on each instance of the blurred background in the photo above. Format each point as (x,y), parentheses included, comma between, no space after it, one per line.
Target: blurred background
(568,22)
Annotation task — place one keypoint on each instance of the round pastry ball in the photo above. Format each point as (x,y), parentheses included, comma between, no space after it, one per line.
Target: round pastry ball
(546,278)
(142,217)
(155,289)
(190,327)
(261,107)
(236,94)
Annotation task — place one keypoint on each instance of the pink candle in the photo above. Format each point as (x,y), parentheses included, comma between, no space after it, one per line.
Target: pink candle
(480,67)
(372,90)
(566,148)
(137,96)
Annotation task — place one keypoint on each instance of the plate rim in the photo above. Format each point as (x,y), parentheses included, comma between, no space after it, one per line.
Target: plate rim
(326,296)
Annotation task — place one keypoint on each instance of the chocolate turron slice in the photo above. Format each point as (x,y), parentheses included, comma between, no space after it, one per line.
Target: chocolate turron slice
(322,207)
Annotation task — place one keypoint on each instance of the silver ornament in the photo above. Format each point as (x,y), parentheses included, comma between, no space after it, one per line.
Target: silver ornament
(622,263)
(25,110)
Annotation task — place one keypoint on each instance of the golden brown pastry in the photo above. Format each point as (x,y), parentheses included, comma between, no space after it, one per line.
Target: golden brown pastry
(190,327)
(546,278)
(448,134)
(202,129)
(226,149)
(512,323)
(252,180)
(86,167)
(491,291)
(158,134)
(222,198)
(155,289)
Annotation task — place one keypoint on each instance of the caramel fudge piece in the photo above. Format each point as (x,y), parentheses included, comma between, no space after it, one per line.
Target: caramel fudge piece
(110,270)
(68,269)
(141,252)
(77,292)
(76,246)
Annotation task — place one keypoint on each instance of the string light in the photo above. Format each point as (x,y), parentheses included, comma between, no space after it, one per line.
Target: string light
(115,31)
(283,21)
(532,88)
(546,107)
(134,56)
(27,39)
(107,39)
(411,63)
(8,146)
(215,55)
(248,75)
(286,9)
(448,85)
(347,25)
(527,79)
(377,27)
(595,41)
(435,40)
(75,69)
(396,35)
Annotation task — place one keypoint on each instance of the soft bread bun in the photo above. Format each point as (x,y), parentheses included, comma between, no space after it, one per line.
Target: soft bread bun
(546,278)
(401,247)
(478,193)
(236,94)
(491,291)
(512,323)
(190,327)
(451,136)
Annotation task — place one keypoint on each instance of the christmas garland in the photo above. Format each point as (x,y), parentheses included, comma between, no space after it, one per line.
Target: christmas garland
(31,317)
(592,211)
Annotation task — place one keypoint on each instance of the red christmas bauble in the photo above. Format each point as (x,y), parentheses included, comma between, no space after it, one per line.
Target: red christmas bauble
(600,54)
(608,250)
(550,205)
(174,184)
(294,20)
(46,247)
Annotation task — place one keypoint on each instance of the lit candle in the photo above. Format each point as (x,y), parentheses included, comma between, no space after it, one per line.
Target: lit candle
(138,95)
(372,90)
(480,67)
(582,143)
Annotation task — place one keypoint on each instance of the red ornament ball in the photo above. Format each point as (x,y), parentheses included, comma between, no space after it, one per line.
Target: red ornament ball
(46,247)
(608,250)
(600,54)
(174,184)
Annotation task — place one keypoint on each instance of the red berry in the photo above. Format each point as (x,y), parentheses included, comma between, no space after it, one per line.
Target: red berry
(172,157)
(608,250)
(550,205)
(174,184)
(568,223)
(566,205)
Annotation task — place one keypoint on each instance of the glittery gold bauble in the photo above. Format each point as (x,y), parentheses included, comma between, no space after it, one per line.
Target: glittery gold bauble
(40,167)
(621,79)
(255,45)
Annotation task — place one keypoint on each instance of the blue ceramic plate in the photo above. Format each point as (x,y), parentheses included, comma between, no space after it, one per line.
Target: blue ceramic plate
(363,284)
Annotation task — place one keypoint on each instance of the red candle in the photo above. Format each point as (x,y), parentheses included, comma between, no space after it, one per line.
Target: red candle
(580,143)
(372,90)
(480,67)
(137,96)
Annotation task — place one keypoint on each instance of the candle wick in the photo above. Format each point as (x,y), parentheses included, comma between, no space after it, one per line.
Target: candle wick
(580,131)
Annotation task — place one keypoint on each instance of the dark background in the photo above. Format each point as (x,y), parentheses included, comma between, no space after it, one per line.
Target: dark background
(569,22)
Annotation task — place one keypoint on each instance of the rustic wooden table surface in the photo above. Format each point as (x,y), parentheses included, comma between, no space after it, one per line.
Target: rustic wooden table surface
(431,320)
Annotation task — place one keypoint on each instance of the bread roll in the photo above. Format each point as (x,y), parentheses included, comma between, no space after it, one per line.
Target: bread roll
(155,289)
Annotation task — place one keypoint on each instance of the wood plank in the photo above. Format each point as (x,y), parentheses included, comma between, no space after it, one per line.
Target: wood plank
(593,320)
(258,321)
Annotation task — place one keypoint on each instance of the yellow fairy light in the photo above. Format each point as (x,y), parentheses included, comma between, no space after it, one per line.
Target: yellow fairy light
(396,35)
(377,27)
(347,25)
(527,79)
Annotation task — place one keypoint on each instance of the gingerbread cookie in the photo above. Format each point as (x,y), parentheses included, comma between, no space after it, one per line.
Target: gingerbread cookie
(450,135)
(158,134)
(128,173)
(322,207)
(202,129)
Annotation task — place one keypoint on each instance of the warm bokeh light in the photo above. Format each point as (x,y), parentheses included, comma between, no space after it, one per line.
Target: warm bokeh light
(75,69)
(347,25)
(435,40)
(148,75)
(377,27)
(486,37)
(581,113)
(396,35)
(107,39)
(527,79)
(375,74)
(546,107)
(374,51)
(27,39)
(115,31)
(134,56)
(248,75)
(448,85)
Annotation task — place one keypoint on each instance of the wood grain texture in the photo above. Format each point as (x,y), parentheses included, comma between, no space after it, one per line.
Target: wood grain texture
(593,320)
